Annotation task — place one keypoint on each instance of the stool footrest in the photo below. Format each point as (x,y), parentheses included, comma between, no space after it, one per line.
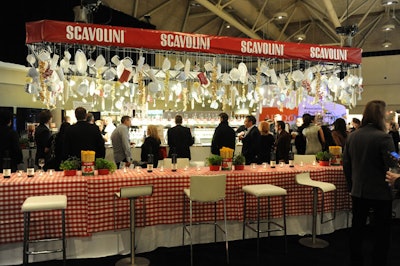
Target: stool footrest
(186,226)
(43,252)
(249,225)
(45,240)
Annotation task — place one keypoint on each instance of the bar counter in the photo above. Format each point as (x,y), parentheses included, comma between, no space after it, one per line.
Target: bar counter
(90,212)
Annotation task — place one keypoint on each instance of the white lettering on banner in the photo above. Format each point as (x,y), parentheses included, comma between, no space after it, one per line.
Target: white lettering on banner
(328,53)
(185,41)
(107,35)
(252,47)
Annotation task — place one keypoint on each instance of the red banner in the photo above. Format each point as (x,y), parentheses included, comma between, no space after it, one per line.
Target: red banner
(288,115)
(103,35)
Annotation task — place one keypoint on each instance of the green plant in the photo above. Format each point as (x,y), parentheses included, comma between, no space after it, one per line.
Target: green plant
(239,159)
(214,159)
(323,156)
(72,163)
(101,163)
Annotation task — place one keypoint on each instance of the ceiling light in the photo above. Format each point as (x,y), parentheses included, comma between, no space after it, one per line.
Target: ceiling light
(300,37)
(386,44)
(81,14)
(389,2)
(280,15)
(388,27)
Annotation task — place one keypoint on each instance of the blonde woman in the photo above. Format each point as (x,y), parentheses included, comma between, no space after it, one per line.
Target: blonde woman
(266,142)
(151,145)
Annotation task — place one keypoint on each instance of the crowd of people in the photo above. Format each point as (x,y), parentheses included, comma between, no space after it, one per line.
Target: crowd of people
(371,172)
(277,139)
(370,169)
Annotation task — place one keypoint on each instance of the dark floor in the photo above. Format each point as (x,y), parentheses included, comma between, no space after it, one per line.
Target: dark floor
(243,252)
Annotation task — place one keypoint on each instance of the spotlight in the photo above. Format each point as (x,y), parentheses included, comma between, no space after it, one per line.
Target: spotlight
(300,37)
(389,2)
(388,27)
(386,44)
(280,15)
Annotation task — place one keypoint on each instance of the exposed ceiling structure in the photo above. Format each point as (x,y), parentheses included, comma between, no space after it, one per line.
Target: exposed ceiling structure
(354,23)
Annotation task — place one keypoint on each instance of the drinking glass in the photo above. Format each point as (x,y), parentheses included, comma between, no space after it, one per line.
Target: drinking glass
(161,166)
(41,164)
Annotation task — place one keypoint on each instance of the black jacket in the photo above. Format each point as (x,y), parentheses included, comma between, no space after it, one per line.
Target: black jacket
(150,146)
(251,145)
(179,141)
(83,136)
(42,136)
(282,144)
(9,141)
(365,162)
(224,136)
(266,146)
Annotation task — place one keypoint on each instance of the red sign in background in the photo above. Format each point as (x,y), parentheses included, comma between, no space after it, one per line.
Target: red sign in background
(288,115)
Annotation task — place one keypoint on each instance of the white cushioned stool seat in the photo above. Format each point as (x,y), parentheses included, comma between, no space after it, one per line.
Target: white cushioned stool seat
(264,190)
(42,203)
(304,179)
(135,191)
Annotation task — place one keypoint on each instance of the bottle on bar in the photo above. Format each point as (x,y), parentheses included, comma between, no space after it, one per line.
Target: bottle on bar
(291,157)
(150,162)
(272,162)
(30,170)
(6,165)
(173,162)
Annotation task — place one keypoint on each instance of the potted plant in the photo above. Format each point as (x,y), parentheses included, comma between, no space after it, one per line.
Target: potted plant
(323,158)
(239,161)
(70,166)
(214,161)
(104,167)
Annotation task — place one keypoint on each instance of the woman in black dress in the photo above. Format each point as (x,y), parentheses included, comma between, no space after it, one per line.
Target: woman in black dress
(266,142)
(151,145)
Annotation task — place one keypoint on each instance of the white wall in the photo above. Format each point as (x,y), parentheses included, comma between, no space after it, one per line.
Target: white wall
(381,82)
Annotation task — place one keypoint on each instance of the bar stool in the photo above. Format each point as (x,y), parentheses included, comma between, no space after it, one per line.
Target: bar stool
(259,191)
(305,180)
(43,203)
(132,193)
(205,189)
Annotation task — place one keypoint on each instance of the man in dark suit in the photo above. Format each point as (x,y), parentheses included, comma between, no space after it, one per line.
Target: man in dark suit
(250,140)
(83,136)
(9,145)
(224,135)
(179,139)
(282,142)
(42,136)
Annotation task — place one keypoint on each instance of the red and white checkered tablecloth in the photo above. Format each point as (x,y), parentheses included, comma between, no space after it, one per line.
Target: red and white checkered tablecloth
(91,198)
(15,190)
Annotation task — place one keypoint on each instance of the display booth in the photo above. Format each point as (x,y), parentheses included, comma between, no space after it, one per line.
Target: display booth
(119,69)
